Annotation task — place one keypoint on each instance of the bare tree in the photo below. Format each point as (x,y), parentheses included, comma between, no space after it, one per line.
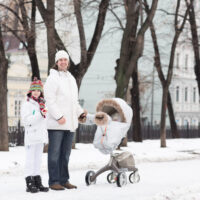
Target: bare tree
(195,40)
(135,103)
(50,31)
(87,54)
(158,65)
(30,34)
(133,36)
(25,29)
(131,50)
(178,29)
(3,97)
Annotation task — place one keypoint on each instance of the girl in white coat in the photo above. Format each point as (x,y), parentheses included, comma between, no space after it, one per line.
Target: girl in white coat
(33,117)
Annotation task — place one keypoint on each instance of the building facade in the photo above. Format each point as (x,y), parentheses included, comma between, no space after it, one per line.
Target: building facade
(184,89)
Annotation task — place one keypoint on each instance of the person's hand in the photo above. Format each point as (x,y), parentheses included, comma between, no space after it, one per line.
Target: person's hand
(62,121)
(83,115)
(82,118)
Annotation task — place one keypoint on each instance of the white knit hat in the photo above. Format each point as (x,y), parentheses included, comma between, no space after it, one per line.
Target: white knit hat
(61,54)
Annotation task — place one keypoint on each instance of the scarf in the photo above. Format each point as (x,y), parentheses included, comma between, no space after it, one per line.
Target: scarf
(41,103)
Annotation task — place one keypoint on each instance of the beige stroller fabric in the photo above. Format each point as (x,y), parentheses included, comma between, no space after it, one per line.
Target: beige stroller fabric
(125,160)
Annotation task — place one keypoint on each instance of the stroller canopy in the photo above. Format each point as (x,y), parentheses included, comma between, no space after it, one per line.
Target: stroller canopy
(116,106)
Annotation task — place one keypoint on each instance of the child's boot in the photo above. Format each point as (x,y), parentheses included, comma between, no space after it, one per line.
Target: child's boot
(38,184)
(30,183)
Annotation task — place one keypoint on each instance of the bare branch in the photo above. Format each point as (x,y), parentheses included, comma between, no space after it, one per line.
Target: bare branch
(16,35)
(98,30)
(174,43)
(24,16)
(79,19)
(12,11)
(117,18)
(168,13)
(176,14)
(43,12)
(149,18)
(140,38)
(33,14)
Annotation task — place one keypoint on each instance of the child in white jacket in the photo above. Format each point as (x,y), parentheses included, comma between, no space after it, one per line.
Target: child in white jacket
(111,129)
(33,117)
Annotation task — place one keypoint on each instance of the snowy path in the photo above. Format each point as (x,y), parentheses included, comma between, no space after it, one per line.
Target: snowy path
(161,177)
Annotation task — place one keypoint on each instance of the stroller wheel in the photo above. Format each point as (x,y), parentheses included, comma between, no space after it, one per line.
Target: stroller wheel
(111,177)
(88,176)
(134,177)
(121,179)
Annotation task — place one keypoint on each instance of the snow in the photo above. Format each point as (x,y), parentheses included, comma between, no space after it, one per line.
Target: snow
(170,173)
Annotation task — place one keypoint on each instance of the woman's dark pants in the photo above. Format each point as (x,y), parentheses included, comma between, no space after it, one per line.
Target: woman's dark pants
(59,149)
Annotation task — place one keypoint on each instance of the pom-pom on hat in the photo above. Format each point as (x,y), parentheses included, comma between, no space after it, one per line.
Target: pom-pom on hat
(36,85)
(61,54)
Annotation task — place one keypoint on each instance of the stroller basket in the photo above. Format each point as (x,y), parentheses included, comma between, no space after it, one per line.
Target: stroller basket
(125,160)
(118,164)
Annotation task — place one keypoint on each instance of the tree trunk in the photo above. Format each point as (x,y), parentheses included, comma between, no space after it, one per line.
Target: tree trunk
(135,102)
(31,44)
(163,117)
(3,98)
(131,50)
(3,107)
(121,89)
(133,41)
(34,62)
(51,32)
(157,59)
(128,41)
(175,133)
(195,41)
(174,129)
(29,32)
(166,82)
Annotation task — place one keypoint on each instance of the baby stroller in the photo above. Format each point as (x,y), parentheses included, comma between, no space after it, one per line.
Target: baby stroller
(113,119)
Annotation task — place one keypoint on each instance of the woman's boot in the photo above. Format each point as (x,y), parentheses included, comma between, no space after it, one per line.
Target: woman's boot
(30,183)
(38,184)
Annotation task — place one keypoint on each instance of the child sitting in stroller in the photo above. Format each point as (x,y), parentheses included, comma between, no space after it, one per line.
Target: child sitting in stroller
(113,119)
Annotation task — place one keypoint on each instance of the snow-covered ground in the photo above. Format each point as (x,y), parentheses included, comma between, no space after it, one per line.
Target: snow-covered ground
(170,173)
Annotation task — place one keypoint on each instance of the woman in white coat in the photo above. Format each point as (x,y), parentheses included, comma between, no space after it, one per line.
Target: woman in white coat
(33,117)
(61,95)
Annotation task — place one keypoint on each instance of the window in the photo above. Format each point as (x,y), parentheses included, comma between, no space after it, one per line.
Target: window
(178,121)
(194,95)
(17,108)
(186,94)
(194,122)
(177,94)
(177,60)
(186,122)
(186,61)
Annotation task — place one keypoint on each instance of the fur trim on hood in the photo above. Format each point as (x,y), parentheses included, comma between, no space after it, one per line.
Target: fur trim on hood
(101,119)
(110,106)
